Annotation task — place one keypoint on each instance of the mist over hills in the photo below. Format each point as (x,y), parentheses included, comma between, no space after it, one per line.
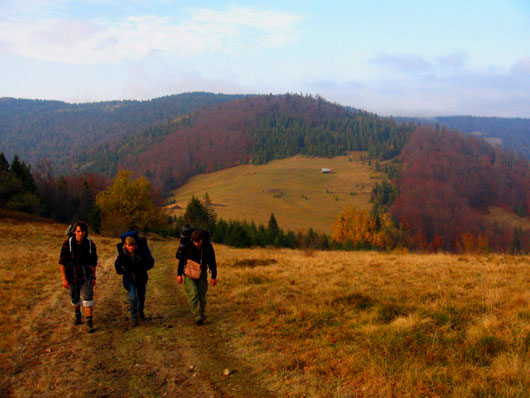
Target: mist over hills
(510,133)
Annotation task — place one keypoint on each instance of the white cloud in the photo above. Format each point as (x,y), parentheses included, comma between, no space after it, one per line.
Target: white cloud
(135,38)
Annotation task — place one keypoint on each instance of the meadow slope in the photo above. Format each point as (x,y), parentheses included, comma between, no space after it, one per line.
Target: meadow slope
(293,189)
(285,323)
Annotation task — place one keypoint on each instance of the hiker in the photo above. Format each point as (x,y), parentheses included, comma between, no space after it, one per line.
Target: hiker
(200,250)
(78,261)
(133,262)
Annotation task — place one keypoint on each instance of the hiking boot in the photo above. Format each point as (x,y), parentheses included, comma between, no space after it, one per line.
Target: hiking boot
(142,315)
(199,320)
(134,321)
(77,319)
(90,326)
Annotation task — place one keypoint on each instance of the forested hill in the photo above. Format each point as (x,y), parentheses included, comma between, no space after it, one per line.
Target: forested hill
(447,185)
(67,133)
(173,138)
(252,129)
(512,133)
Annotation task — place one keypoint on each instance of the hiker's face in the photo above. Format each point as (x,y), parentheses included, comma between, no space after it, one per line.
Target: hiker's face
(129,246)
(198,243)
(79,234)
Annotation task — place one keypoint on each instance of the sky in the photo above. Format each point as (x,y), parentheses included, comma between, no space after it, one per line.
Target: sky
(402,58)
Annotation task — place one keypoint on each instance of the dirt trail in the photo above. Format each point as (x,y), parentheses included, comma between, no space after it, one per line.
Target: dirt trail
(166,356)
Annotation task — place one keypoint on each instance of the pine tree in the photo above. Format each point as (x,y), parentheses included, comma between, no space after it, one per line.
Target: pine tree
(196,214)
(516,242)
(23,173)
(212,216)
(86,201)
(62,207)
(4,164)
(272,230)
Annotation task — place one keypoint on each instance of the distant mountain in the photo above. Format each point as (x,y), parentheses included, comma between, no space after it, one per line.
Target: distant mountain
(252,129)
(173,138)
(511,133)
(68,133)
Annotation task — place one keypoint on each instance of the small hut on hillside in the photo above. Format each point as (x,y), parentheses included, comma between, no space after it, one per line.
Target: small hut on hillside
(325,170)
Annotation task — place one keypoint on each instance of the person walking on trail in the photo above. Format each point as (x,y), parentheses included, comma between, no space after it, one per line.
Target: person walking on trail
(133,263)
(201,251)
(77,262)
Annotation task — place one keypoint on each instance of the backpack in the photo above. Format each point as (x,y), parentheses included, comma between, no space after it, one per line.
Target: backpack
(185,237)
(140,241)
(71,235)
(70,245)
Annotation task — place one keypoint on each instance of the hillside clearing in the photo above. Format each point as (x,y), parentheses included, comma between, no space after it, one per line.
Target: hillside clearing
(293,189)
(285,323)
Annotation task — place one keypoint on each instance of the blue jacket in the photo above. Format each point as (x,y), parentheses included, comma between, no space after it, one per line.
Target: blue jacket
(134,269)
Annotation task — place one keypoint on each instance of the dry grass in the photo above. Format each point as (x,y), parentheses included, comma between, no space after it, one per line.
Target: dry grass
(293,189)
(333,324)
(507,218)
(43,354)
(372,324)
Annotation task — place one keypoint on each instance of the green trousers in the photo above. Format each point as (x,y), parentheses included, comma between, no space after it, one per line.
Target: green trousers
(196,290)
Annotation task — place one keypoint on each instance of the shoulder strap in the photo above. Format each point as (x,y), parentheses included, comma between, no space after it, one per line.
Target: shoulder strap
(89,244)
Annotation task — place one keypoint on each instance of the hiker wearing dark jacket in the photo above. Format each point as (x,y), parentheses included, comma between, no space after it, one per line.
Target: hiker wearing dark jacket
(77,262)
(201,251)
(133,263)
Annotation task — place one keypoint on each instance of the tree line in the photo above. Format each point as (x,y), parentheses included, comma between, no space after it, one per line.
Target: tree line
(208,132)
(436,198)
(253,129)
(71,135)
(237,233)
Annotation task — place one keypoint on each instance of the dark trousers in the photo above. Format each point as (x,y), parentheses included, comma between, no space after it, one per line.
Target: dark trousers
(136,298)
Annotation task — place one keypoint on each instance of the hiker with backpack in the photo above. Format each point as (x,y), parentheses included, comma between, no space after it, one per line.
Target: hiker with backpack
(77,262)
(198,252)
(133,261)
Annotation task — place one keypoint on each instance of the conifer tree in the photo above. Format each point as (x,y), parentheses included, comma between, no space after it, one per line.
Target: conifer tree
(4,164)
(23,173)
(212,216)
(196,214)
(272,229)
(86,201)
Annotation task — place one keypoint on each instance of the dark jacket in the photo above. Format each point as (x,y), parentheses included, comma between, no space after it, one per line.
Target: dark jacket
(78,258)
(134,269)
(206,253)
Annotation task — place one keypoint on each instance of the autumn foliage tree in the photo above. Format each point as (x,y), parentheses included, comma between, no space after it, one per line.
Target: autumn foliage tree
(128,204)
(362,231)
(446,186)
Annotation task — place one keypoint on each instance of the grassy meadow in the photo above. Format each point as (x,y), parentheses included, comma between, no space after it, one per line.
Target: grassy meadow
(286,323)
(293,189)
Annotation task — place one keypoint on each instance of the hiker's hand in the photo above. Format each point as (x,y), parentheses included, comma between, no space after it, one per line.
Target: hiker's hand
(65,284)
(179,279)
(213,282)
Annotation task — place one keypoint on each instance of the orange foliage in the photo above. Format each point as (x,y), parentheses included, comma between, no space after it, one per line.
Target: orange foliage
(361,230)
(470,243)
